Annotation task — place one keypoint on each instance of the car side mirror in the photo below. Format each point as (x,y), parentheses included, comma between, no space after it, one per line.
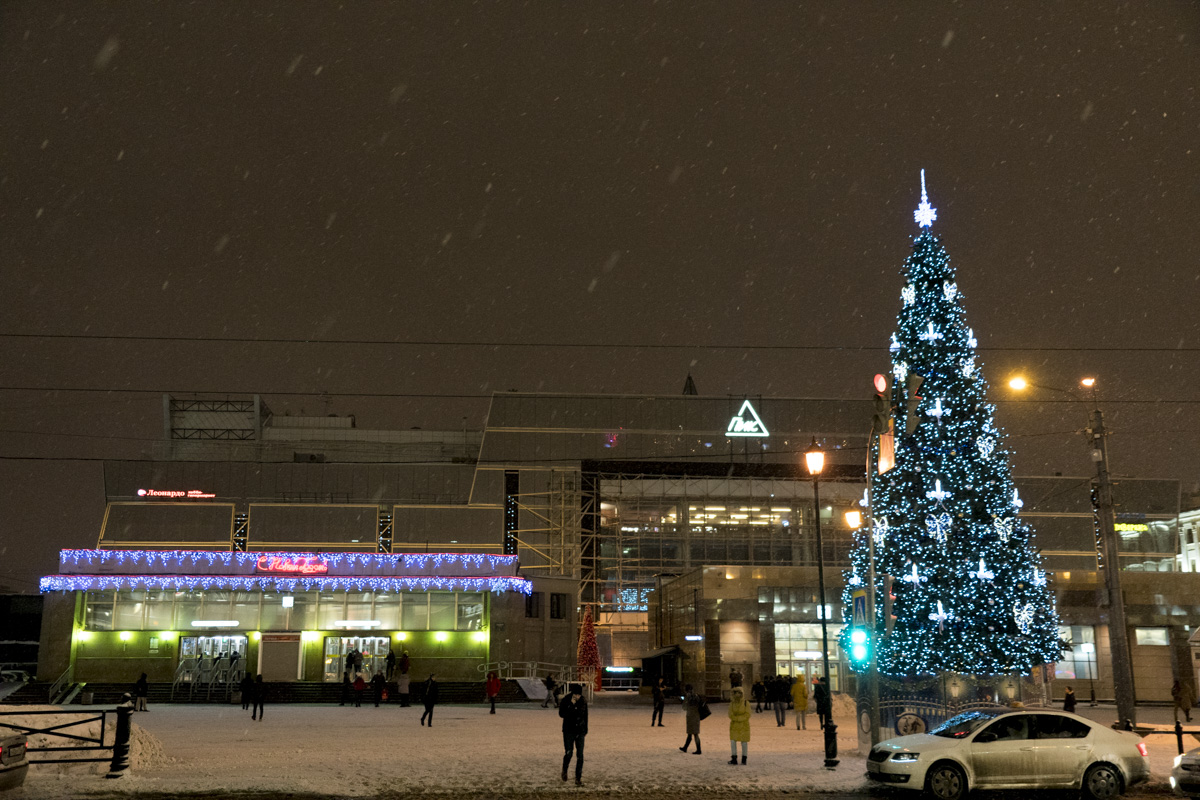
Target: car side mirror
(984,738)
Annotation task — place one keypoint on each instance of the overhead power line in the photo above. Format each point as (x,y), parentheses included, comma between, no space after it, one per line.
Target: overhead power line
(562,345)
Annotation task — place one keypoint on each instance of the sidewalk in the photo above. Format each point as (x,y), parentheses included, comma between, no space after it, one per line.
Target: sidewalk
(368,751)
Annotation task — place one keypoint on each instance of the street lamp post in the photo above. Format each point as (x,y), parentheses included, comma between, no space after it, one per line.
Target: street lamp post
(815,459)
(1110,552)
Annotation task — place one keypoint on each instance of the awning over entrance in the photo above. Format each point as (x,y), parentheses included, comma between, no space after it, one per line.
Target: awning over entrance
(674,650)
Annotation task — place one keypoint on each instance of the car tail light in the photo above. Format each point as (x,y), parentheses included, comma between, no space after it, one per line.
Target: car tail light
(1142,749)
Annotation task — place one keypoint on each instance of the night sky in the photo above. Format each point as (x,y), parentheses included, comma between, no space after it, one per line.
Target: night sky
(394,209)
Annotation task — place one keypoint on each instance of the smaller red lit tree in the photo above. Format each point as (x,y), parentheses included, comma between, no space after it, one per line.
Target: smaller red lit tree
(588,656)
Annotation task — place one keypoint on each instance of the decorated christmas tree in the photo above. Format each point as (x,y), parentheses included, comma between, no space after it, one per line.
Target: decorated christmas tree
(969,592)
(588,656)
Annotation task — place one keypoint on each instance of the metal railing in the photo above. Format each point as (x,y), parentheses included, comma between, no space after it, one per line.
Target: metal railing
(64,680)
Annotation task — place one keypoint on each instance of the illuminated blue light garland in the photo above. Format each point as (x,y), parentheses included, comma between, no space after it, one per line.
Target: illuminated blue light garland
(182,559)
(281,583)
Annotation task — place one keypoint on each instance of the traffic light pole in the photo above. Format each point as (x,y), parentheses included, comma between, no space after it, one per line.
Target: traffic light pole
(1118,633)
(873,668)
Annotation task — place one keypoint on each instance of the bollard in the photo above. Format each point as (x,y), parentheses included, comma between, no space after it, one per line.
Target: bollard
(120,758)
(831,759)
(1179,736)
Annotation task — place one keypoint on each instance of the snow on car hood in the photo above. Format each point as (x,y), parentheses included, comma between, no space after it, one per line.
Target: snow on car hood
(919,743)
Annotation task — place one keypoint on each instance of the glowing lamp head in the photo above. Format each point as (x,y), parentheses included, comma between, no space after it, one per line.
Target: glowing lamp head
(880,384)
(125,636)
(815,458)
(1019,383)
(854,519)
(441,636)
(858,636)
(1088,382)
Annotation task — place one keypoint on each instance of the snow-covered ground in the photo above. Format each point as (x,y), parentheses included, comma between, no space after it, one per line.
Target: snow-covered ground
(366,751)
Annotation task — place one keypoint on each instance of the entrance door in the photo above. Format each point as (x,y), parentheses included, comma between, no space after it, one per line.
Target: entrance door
(374,651)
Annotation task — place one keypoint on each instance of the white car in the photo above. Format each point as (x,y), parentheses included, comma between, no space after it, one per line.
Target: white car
(1000,749)
(1185,774)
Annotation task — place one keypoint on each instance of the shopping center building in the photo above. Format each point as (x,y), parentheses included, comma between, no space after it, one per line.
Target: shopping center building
(686,523)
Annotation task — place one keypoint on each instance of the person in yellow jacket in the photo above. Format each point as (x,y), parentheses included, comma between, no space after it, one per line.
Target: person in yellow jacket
(800,703)
(739,724)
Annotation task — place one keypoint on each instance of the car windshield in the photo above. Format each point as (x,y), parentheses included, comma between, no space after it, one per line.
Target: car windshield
(961,725)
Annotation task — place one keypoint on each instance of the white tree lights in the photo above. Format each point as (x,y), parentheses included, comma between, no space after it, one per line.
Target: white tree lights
(970,596)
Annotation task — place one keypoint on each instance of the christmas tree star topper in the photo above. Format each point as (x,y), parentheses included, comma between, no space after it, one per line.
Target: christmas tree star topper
(925,213)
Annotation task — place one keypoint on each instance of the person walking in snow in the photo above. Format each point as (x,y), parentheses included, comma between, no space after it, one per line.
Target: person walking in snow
(574,712)
(402,686)
(800,703)
(360,686)
(491,688)
(691,704)
(1181,693)
(247,687)
(823,700)
(260,698)
(739,723)
(779,699)
(758,691)
(141,690)
(551,690)
(659,693)
(1069,700)
(346,687)
(431,698)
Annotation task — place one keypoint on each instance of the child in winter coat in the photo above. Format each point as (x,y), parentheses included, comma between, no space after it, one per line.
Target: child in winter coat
(739,723)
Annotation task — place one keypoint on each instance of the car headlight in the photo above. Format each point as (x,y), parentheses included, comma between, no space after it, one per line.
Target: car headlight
(906,756)
(1176,762)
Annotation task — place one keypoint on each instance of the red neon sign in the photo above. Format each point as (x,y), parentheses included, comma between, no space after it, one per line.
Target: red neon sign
(303,565)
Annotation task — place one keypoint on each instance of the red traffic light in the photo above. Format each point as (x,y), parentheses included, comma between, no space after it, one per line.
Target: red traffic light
(881,384)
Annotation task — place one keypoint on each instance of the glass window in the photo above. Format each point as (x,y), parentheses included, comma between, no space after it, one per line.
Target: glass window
(533,605)
(414,611)
(1056,726)
(470,611)
(304,611)
(1157,637)
(1008,729)
(273,616)
(387,611)
(331,607)
(99,611)
(130,610)
(159,610)
(245,607)
(558,606)
(359,607)
(441,611)
(218,604)
(187,609)
(1079,661)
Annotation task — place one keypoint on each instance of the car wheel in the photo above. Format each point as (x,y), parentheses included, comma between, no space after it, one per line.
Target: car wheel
(946,781)
(1101,782)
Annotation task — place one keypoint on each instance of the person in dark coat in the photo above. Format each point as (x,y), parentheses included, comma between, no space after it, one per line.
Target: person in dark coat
(691,704)
(378,684)
(491,688)
(779,699)
(758,691)
(574,712)
(247,687)
(402,686)
(735,678)
(431,698)
(346,687)
(824,701)
(141,690)
(660,702)
(1069,700)
(391,663)
(551,690)
(260,698)
(360,686)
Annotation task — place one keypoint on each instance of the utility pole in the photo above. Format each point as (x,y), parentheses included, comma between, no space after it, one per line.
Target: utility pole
(1118,634)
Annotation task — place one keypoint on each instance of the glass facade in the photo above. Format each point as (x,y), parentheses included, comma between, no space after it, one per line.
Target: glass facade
(138,610)
(665,525)
(1079,662)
